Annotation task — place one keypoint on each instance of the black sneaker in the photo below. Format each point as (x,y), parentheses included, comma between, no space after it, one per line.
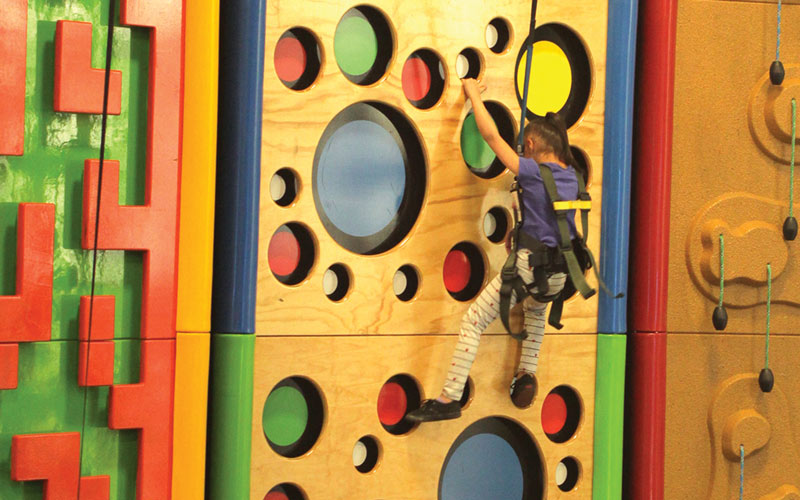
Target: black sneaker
(432,410)
(523,390)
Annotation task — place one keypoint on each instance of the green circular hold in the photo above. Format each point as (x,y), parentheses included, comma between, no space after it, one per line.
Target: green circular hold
(285,416)
(355,45)
(476,152)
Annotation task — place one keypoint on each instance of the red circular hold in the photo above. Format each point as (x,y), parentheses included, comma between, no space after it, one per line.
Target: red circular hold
(456,271)
(392,403)
(276,495)
(554,413)
(283,253)
(290,59)
(416,79)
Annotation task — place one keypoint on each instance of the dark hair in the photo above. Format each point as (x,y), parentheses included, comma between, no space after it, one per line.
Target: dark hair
(552,134)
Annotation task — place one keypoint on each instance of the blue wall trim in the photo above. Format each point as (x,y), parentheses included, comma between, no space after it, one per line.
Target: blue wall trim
(241,76)
(620,71)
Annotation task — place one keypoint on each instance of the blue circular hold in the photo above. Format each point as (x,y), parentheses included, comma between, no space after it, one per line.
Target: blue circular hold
(369,177)
(361,178)
(485,466)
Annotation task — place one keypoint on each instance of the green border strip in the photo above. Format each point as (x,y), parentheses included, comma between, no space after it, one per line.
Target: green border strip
(609,416)
(230,414)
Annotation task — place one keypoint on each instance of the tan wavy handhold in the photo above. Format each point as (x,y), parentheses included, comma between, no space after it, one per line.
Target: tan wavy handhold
(747,428)
(785,492)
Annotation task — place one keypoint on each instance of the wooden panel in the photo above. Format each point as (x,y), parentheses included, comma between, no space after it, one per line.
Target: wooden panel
(714,404)
(731,149)
(455,201)
(350,372)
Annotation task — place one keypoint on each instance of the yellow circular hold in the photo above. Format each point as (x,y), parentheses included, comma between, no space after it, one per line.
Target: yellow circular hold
(551,78)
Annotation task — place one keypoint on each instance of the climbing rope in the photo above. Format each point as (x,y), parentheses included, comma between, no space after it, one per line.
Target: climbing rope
(526,87)
(721,268)
(720,316)
(103,130)
(769,302)
(766,379)
(790,224)
(778,44)
(741,472)
(776,72)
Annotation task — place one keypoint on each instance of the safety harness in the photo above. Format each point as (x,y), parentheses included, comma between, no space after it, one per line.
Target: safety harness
(571,256)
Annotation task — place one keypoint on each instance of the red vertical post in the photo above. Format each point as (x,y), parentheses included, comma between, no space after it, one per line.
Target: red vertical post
(14,47)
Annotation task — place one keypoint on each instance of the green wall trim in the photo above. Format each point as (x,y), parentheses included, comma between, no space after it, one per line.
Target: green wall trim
(609,411)
(230,414)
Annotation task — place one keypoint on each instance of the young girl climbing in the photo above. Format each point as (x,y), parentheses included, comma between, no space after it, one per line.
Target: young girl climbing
(545,146)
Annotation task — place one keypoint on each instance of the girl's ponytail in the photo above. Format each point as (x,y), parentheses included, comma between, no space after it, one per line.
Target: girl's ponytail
(564,152)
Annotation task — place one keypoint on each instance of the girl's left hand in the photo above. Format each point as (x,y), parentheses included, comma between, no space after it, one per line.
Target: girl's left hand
(472,87)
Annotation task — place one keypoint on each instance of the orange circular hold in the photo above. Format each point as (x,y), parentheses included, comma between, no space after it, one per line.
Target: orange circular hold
(290,59)
(416,79)
(392,403)
(554,413)
(284,253)
(456,271)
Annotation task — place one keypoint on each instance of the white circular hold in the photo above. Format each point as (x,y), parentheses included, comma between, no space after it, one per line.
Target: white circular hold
(561,473)
(330,281)
(489,225)
(441,70)
(491,36)
(462,66)
(359,454)
(400,283)
(277,187)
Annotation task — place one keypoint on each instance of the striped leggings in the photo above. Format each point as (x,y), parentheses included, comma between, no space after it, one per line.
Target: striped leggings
(483,311)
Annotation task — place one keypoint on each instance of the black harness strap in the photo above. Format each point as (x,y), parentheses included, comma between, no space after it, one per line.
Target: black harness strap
(565,244)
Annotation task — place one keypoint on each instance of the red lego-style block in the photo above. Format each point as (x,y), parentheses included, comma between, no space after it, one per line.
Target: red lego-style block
(79,87)
(102,324)
(13,46)
(25,317)
(151,228)
(96,350)
(55,459)
(148,406)
(9,365)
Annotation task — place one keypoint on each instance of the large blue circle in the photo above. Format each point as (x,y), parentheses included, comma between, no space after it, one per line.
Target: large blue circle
(361,178)
(483,467)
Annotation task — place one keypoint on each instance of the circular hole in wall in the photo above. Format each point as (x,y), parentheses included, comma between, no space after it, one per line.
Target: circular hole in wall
(561,414)
(363,45)
(292,416)
(366,454)
(498,35)
(493,458)
(463,271)
(283,187)
(285,491)
(369,177)
(561,74)
(496,224)
(398,396)
(423,78)
(476,152)
(291,253)
(567,473)
(406,282)
(297,58)
(469,63)
(336,282)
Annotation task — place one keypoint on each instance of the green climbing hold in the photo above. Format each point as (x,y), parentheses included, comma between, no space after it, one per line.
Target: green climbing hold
(285,416)
(476,152)
(355,45)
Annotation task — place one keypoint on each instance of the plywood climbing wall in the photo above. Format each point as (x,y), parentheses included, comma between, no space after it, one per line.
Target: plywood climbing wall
(382,215)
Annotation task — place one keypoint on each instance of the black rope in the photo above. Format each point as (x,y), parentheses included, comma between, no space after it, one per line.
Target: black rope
(103,128)
(526,86)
